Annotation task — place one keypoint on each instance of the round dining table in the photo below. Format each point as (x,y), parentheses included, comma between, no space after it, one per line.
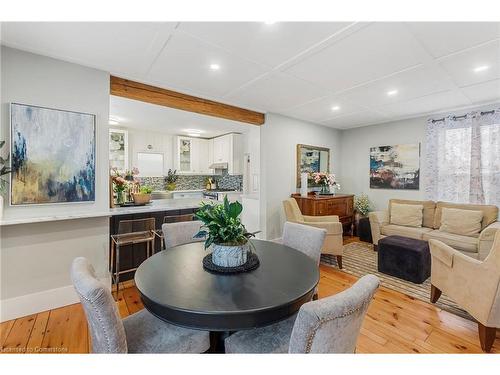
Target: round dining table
(176,288)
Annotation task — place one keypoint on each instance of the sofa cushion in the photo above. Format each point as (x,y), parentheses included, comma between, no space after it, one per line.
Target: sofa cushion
(458,242)
(463,222)
(399,230)
(428,211)
(409,215)
(490,212)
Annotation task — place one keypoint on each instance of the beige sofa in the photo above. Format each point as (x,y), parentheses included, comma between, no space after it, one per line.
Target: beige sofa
(476,246)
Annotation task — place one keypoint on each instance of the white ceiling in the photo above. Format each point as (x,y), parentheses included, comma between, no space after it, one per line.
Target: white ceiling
(144,116)
(299,69)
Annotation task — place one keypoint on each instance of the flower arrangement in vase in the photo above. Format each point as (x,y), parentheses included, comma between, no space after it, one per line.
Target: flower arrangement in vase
(326,181)
(123,182)
(224,232)
(362,204)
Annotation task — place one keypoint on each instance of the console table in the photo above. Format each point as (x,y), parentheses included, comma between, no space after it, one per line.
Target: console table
(322,205)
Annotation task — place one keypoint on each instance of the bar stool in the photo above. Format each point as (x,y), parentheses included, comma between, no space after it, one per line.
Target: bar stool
(172,219)
(130,232)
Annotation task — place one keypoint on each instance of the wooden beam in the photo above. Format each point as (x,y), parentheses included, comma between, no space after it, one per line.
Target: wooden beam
(156,95)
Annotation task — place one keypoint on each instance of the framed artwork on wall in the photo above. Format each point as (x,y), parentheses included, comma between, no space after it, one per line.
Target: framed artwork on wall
(53,155)
(312,159)
(395,167)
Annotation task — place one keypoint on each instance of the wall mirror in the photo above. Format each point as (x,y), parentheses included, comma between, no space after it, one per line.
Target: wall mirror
(312,159)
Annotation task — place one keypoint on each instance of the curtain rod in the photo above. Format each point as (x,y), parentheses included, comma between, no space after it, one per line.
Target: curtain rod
(463,116)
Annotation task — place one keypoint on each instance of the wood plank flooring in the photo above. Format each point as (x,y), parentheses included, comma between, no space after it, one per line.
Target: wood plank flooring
(395,323)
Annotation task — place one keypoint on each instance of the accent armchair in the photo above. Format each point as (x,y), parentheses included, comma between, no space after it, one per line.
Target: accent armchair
(472,284)
(333,241)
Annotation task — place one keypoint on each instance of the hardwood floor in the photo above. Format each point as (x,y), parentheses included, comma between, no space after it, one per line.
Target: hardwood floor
(395,323)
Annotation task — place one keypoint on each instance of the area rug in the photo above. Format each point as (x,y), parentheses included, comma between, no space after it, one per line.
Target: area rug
(359,259)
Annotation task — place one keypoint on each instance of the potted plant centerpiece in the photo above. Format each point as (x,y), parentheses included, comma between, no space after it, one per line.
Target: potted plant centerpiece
(143,196)
(224,232)
(171,179)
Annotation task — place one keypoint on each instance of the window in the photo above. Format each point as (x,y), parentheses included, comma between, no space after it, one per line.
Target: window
(150,164)
(463,158)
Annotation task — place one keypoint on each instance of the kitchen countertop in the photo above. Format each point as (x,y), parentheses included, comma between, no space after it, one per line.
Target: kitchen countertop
(156,205)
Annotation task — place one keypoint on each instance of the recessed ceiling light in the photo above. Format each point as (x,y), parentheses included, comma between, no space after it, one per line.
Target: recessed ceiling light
(335,108)
(194,131)
(113,122)
(481,68)
(214,66)
(392,92)
(194,134)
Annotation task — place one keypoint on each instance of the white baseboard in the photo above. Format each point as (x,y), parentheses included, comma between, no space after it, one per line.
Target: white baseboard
(29,304)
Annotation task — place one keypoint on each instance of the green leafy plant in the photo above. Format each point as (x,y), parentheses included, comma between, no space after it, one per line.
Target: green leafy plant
(171,177)
(4,169)
(145,189)
(362,204)
(221,224)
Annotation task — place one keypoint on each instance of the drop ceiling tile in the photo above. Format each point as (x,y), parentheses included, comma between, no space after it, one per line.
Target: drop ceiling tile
(372,52)
(427,104)
(276,91)
(118,47)
(409,84)
(443,38)
(461,66)
(353,120)
(483,92)
(321,110)
(267,44)
(185,63)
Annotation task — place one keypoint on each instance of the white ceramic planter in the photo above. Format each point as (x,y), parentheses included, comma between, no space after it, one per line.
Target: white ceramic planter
(229,256)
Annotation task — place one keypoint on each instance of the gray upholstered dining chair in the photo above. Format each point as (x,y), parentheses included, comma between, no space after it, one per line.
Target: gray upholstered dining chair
(180,233)
(141,332)
(306,239)
(329,325)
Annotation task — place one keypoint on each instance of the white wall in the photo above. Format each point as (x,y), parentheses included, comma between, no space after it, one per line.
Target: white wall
(279,137)
(35,258)
(355,163)
(139,140)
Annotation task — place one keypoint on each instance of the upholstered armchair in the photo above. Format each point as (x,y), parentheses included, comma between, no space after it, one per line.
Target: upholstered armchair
(472,284)
(333,241)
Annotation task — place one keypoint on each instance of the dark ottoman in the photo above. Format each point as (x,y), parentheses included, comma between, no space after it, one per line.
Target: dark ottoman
(404,257)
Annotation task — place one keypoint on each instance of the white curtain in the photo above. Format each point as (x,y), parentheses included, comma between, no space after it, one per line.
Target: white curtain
(463,158)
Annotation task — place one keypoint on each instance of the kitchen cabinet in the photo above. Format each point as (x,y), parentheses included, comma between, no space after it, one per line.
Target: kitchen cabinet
(229,149)
(187,194)
(192,156)
(118,149)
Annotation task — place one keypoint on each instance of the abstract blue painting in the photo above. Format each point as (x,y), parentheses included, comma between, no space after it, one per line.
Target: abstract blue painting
(53,155)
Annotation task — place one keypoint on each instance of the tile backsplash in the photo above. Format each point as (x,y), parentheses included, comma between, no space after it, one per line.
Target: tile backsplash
(192,182)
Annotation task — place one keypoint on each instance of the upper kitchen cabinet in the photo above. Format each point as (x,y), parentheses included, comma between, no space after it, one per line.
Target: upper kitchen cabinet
(118,149)
(228,149)
(192,155)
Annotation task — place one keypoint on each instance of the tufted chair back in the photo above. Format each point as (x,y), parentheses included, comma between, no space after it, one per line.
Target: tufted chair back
(332,325)
(106,327)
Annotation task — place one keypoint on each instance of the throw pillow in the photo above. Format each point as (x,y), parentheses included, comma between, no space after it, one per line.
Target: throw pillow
(463,222)
(408,215)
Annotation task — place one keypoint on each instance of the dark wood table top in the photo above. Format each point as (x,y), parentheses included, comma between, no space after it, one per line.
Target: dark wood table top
(175,287)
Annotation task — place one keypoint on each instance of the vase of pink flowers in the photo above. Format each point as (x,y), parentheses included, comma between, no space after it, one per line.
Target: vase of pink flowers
(326,181)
